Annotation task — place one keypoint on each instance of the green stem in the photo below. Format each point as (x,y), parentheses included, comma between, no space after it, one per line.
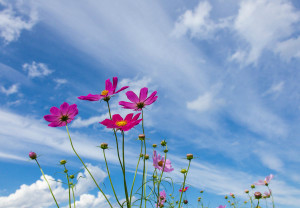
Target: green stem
(66,171)
(145,184)
(110,179)
(271,197)
(73,195)
(47,182)
(87,169)
(136,171)
(158,184)
(125,185)
(185,175)
(250,200)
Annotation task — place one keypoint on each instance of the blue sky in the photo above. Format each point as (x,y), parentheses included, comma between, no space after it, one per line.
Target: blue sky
(225,72)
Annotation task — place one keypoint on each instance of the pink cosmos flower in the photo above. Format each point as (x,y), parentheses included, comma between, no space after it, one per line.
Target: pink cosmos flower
(267,194)
(222,206)
(110,89)
(184,189)
(139,103)
(118,122)
(158,162)
(265,182)
(61,116)
(162,198)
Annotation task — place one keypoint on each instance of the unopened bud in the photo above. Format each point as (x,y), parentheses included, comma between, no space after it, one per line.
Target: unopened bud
(154,145)
(183,171)
(246,191)
(201,191)
(226,197)
(141,155)
(252,186)
(257,195)
(185,201)
(163,143)
(141,136)
(62,162)
(103,146)
(65,170)
(32,155)
(189,156)
(166,150)
(72,176)
(232,204)
(199,198)
(245,202)
(146,156)
(154,176)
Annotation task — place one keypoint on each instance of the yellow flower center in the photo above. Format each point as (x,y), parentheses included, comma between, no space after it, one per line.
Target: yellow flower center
(104,92)
(121,123)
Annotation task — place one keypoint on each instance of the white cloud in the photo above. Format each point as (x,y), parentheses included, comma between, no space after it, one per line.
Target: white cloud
(36,69)
(275,88)
(13,21)
(40,196)
(60,82)
(91,201)
(205,102)
(78,123)
(289,48)
(11,90)
(198,22)
(263,24)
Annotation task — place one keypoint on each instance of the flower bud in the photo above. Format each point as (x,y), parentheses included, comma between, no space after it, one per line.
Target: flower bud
(146,156)
(201,191)
(199,199)
(189,156)
(252,186)
(72,176)
(141,155)
(103,146)
(154,176)
(246,191)
(245,202)
(232,204)
(65,170)
(226,197)
(185,201)
(62,162)
(183,171)
(141,136)
(163,143)
(257,195)
(154,145)
(32,155)
(166,150)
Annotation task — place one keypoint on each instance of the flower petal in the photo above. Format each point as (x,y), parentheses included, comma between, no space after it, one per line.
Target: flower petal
(132,97)
(52,118)
(117,117)
(108,85)
(55,111)
(127,105)
(115,82)
(108,123)
(73,111)
(129,116)
(150,101)
(91,97)
(123,88)
(136,117)
(143,94)
(64,108)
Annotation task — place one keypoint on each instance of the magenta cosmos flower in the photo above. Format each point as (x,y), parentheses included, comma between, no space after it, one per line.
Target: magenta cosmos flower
(184,189)
(118,122)
(222,206)
(110,89)
(61,116)
(138,103)
(158,162)
(265,182)
(162,198)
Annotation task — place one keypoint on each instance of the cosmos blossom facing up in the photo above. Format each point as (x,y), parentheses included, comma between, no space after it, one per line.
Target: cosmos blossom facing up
(265,182)
(117,122)
(110,89)
(138,103)
(61,116)
(159,163)
(184,189)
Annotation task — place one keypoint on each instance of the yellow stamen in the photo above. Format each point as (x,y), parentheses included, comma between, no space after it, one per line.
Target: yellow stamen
(121,123)
(104,92)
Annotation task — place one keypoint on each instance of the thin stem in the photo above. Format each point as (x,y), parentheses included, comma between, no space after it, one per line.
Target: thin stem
(47,183)
(125,185)
(145,185)
(158,184)
(67,175)
(271,197)
(185,175)
(250,200)
(87,169)
(136,171)
(73,195)
(144,166)
(112,186)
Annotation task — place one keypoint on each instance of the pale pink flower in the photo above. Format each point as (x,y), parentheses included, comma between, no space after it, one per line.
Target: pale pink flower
(138,103)
(267,194)
(162,198)
(61,116)
(118,122)
(158,162)
(110,89)
(265,182)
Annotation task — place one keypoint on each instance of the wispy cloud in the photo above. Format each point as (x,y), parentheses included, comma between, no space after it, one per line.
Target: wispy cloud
(60,82)
(12,20)
(36,69)
(10,90)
